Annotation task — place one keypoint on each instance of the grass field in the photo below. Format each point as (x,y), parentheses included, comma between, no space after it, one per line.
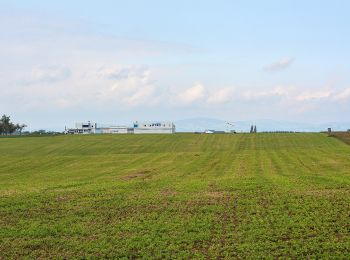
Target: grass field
(175,196)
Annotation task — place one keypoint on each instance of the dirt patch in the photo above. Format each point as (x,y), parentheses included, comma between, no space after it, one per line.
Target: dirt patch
(213,191)
(214,194)
(343,136)
(8,193)
(168,193)
(338,236)
(326,193)
(62,198)
(139,175)
(224,225)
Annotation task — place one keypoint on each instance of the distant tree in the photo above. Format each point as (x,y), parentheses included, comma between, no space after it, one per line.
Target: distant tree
(255,129)
(20,128)
(251,128)
(5,124)
(7,127)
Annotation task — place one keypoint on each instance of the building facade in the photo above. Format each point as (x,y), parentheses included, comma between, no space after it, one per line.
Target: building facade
(82,128)
(116,130)
(154,128)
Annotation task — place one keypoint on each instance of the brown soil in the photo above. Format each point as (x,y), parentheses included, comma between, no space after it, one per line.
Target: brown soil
(168,193)
(343,136)
(141,175)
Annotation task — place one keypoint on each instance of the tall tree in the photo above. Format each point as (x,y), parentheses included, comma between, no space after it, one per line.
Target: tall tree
(255,129)
(7,127)
(5,124)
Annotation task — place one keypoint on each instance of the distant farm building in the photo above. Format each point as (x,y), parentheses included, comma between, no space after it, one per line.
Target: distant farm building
(214,132)
(114,130)
(154,128)
(83,128)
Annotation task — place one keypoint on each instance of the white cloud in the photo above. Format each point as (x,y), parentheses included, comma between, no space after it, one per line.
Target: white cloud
(279,65)
(345,94)
(49,74)
(192,94)
(292,94)
(129,85)
(220,96)
(256,94)
(313,95)
(120,72)
(143,95)
(283,91)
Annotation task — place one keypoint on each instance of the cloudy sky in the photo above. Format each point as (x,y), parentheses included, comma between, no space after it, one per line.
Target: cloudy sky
(120,61)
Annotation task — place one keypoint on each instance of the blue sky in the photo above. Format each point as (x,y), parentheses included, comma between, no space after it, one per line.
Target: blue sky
(120,61)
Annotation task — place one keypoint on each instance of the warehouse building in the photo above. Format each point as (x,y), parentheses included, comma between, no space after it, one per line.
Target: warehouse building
(82,128)
(154,128)
(115,130)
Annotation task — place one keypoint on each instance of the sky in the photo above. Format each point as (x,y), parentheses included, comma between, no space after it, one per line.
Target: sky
(116,62)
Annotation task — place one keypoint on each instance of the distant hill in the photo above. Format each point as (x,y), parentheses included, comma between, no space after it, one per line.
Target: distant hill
(201,124)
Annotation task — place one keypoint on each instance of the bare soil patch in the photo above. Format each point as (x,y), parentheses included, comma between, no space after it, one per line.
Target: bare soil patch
(343,136)
(140,175)
(326,192)
(168,193)
(214,194)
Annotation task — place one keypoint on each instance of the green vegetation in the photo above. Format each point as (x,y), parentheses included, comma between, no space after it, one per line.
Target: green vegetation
(175,196)
(7,127)
(344,136)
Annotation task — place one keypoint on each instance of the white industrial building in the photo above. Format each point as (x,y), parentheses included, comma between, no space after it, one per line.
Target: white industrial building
(115,130)
(82,128)
(154,128)
(138,128)
(93,128)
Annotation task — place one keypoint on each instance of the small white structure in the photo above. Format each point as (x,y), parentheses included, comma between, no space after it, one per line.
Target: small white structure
(214,132)
(82,128)
(154,128)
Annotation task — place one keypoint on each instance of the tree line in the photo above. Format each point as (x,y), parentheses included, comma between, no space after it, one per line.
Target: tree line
(7,127)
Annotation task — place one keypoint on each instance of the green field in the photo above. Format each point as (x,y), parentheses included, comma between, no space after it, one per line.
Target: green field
(175,196)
